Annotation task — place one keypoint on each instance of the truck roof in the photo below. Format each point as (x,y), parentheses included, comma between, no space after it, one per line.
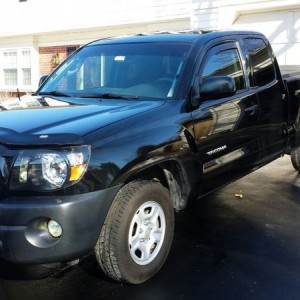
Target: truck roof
(170,37)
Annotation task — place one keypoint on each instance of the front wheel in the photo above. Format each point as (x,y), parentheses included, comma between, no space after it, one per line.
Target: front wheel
(137,235)
(295,158)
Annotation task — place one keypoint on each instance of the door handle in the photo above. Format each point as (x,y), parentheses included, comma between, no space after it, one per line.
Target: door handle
(251,111)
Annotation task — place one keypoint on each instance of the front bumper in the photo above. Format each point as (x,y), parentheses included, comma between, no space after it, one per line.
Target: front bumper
(24,237)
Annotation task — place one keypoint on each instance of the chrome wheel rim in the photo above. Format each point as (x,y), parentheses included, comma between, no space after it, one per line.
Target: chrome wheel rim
(146,233)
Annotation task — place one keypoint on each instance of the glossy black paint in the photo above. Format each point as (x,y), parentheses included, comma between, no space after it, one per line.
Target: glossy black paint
(201,147)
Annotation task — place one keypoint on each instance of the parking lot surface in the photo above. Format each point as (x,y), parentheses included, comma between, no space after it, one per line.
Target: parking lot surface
(241,242)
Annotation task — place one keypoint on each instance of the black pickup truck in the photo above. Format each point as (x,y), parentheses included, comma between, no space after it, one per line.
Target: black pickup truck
(128,130)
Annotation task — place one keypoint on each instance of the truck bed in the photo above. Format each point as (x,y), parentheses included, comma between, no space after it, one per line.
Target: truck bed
(289,71)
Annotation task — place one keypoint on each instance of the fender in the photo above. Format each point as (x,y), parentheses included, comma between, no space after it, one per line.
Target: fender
(174,163)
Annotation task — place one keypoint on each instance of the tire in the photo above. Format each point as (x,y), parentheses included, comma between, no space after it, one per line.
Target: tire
(295,158)
(137,234)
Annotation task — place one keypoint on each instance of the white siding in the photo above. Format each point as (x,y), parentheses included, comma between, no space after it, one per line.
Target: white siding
(42,16)
(205,14)
(83,36)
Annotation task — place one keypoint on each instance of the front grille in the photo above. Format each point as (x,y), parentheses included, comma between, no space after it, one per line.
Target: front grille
(6,159)
(6,162)
(3,175)
(3,169)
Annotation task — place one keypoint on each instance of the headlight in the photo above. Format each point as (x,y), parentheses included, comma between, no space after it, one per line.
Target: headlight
(46,170)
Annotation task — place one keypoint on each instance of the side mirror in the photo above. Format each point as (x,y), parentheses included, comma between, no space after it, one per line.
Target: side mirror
(217,87)
(42,79)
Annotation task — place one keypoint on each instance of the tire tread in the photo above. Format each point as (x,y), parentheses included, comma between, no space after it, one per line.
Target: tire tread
(106,247)
(295,159)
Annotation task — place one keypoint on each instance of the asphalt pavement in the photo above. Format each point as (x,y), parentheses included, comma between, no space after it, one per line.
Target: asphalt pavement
(241,242)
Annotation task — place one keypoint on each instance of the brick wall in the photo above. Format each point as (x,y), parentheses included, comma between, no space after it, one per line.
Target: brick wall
(47,64)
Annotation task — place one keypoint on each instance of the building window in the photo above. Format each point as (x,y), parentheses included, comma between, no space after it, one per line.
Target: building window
(26,58)
(10,77)
(10,68)
(10,59)
(26,76)
(70,50)
(26,70)
(16,68)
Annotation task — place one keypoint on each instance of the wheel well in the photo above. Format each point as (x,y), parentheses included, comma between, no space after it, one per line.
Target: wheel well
(172,176)
(151,173)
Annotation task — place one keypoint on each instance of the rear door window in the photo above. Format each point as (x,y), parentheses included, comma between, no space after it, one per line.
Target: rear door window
(263,71)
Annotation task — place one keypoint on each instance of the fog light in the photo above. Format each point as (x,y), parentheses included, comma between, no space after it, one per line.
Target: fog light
(54,228)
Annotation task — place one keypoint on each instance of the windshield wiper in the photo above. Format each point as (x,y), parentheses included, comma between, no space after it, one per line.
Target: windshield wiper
(54,93)
(109,96)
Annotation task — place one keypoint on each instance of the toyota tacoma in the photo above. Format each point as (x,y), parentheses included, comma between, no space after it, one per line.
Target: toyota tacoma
(128,130)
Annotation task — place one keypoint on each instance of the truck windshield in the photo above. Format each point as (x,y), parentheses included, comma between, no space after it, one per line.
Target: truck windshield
(136,70)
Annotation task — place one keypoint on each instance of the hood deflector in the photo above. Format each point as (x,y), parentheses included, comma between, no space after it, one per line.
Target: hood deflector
(10,137)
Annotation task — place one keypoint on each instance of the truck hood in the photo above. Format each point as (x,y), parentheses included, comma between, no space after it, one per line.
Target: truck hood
(35,120)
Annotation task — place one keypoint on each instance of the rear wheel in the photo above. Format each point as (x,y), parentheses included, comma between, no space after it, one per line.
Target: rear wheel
(137,235)
(295,158)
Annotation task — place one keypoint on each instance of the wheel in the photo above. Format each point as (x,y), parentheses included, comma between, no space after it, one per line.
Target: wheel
(295,158)
(137,234)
